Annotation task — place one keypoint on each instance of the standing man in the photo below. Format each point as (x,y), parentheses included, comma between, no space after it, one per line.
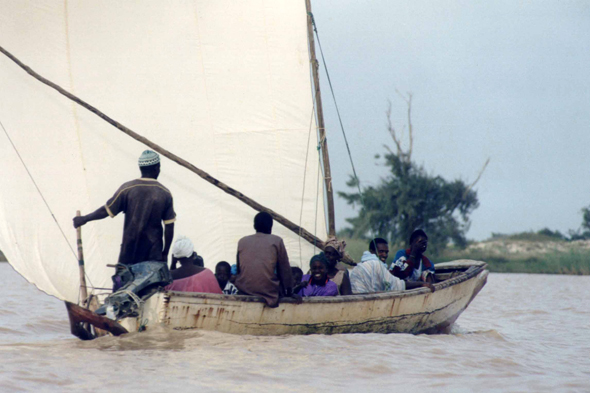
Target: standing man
(263,264)
(146,204)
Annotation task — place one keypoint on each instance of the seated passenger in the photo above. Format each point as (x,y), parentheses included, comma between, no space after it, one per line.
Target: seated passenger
(378,250)
(297,274)
(372,276)
(263,264)
(223,274)
(184,248)
(297,282)
(318,283)
(337,271)
(411,264)
(190,277)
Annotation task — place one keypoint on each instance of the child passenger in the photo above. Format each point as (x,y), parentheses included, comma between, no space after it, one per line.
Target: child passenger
(223,274)
(318,283)
(297,279)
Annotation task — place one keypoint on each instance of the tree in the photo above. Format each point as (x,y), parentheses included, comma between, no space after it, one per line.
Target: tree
(586,218)
(409,198)
(582,233)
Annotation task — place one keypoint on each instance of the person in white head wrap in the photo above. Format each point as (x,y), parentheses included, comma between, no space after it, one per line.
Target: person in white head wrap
(191,276)
(142,233)
(183,248)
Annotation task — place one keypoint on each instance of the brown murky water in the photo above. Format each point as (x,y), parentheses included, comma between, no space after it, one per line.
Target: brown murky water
(523,333)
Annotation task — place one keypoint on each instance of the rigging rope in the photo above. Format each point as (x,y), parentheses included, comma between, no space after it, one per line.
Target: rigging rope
(358,183)
(39,191)
(303,191)
(46,204)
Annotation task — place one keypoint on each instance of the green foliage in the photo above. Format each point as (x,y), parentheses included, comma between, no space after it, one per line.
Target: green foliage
(409,198)
(551,234)
(584,232)
(543,235)
(586,218)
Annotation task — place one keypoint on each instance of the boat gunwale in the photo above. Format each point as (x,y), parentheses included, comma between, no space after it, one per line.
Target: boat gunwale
(473,270)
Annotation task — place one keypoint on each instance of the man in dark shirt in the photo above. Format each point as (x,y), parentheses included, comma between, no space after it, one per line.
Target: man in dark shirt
(146,204)
(263,264)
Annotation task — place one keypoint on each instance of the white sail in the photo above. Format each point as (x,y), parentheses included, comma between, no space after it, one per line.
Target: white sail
(223,84)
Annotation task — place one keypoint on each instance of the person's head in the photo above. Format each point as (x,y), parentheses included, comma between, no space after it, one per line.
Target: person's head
(182,248)
(297,275)
(149,164)
(223,272)
(334,250)
(319,269)
(183,251)
(379,247)
(419,239)
(263,223)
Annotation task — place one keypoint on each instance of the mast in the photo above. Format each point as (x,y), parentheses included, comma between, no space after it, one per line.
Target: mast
(321,126)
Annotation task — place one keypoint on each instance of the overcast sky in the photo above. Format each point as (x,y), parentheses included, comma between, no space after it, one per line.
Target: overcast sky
(502,79)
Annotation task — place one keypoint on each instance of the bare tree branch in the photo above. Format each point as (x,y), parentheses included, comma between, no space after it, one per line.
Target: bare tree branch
(405,156)
(391,130)
(476,179)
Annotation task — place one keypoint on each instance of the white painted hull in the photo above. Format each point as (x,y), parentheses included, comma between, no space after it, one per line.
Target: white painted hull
(414,311)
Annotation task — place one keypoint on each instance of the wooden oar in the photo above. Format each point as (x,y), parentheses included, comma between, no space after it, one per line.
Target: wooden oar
(231,191)
(83,289)
(80,317)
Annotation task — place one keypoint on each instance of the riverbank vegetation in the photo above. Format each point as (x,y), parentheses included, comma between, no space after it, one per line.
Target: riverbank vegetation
(544,252)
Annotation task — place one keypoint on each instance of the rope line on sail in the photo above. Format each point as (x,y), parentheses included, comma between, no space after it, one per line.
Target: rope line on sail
(304,180)
(358,183)
(39,191)
(317,196)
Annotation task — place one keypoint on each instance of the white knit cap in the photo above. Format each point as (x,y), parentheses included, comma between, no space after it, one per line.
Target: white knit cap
(183,248)
(149,158)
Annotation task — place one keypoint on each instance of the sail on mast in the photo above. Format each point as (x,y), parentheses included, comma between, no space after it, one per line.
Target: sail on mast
(223,83)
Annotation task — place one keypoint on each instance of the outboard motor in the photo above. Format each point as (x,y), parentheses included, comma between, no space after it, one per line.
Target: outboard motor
(139,282)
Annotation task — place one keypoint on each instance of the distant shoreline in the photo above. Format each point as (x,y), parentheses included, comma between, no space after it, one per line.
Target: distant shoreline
(508,255)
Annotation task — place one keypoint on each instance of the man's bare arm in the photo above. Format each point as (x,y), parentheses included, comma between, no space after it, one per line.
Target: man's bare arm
(168,236)
(98,214)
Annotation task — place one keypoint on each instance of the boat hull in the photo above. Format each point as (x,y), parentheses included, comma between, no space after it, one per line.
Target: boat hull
(414,311)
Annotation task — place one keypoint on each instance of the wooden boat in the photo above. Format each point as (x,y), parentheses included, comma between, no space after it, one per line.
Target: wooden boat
(414,311)
(238,104)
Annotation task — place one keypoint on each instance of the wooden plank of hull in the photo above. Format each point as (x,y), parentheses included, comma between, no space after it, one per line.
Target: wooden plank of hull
(415,311)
